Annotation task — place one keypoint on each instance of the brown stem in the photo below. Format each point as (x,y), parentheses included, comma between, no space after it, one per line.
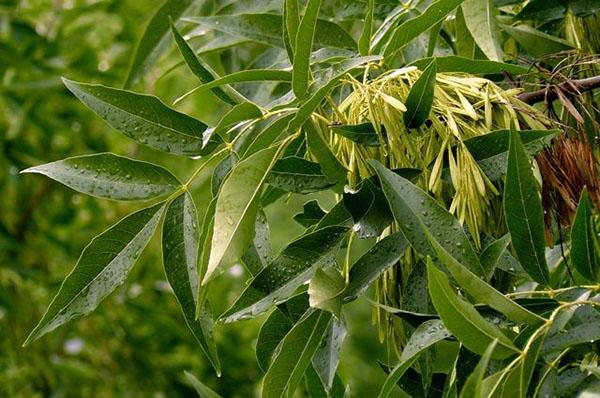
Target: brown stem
(573,87)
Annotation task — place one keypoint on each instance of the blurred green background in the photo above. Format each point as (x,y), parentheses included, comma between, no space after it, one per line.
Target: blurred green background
(136,343)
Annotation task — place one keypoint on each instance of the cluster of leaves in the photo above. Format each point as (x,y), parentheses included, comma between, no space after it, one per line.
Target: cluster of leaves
(501,321)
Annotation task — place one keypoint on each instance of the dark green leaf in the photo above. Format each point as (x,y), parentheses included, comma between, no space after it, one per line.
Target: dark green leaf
(180,256)
(492,253)
(363,134)
(202,390)
(303,48)
(330,165)
(268,29)
(324,289)
(311,214)
(327,357)
(452,63)
(584,241)
(239,113)
(288,271)
(473,386)
(535,42)
(426,335)
(372,264)
(155,38)
(364,43)
(202,70)
(291,17)
(144,118)
(369,209)
(102,267)
(420,97)
(412,28)
(106,175)
(491,150)
(582,334)
(295,354)
(524,214)
(298,175)
(463,321)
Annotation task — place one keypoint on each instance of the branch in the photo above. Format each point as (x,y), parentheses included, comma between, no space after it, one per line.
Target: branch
(573,87)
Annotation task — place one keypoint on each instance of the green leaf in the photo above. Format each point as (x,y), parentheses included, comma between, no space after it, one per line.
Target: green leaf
(287,272)
(364,43)
(291,17)
(180,256)
(492,253)
(324,289)
(258,254)
(463,321)
(295,354)
(373,263)
(481,21)
(426,335)
(144,118)
(202,390)
(412,28)
(418,215)
(415,211)
(268,29)
(420,97)
(327,357)
(491,150)
(239,113)
(236,209)
(298,175)
(585,333)
(202,71)
(453,63)
(584,240)
(303,48)
(536,43)
(106,175)
(330,165)
(464,43)
(473,386)
(155,38)
(524,214)
(363,134)
(102,267)
(543,11)
(311,214)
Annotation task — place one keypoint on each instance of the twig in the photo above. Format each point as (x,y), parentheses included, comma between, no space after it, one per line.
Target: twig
(550,93)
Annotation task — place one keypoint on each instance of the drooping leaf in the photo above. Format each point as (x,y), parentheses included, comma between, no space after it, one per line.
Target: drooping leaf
(492,253)
(324,289)
(426,335)
(535,42)
(327,357)
(420,97)
(102,267)
(481,21)
(330,165)
(295,354)
(364,43)
(180,256)
(303,48)
(584,242)
(524,214)
(239,113)
(491,150)
(106,175)
(543,11)
(364,134)
(419,215)
(155,38)
(268,29)
(453,63)
(144,118)
(258,254)
(298,175)
(291,17)
(369,209)
(463,321)
(372,264)
(270,335)
(202,390)
(413,27)
(202,71)
(288,271)
(236,209)
(472,387)
(581,334)
(311,214)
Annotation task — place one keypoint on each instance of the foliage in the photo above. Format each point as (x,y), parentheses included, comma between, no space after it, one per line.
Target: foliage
(433,176)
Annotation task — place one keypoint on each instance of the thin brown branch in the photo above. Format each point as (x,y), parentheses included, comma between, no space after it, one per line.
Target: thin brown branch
(550,93)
